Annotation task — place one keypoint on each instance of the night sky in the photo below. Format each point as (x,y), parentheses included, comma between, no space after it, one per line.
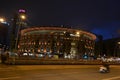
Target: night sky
(101,17)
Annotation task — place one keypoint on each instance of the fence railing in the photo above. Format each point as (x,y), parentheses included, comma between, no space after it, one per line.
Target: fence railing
(35,61)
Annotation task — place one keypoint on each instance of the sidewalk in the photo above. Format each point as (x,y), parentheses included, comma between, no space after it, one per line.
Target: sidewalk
(37,67)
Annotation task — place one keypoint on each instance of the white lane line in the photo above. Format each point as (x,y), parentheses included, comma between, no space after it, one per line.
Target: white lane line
(112,78)
(9,78)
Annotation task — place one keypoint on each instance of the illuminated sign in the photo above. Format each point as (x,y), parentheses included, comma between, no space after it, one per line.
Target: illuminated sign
(22,11)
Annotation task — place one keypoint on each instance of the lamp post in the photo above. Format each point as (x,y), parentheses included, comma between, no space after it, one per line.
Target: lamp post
(118,49)
(21,18)
(2,20)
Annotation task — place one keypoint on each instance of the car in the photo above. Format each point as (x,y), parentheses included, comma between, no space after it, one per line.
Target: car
(117,59)
(110,59)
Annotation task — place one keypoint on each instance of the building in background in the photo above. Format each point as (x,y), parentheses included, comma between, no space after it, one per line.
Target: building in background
(56,41)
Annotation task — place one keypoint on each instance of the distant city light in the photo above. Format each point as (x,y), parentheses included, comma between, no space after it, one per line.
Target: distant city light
(5,23)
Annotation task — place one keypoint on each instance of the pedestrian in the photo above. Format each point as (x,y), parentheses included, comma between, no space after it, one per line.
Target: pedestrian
(3,58)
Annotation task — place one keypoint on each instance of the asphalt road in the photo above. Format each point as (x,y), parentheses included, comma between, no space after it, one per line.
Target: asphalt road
(57,72)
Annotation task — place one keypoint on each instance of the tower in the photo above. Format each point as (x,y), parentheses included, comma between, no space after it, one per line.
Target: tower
(18,23)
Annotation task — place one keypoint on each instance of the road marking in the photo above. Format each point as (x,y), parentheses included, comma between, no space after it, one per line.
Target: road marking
(112,78)
(9,78)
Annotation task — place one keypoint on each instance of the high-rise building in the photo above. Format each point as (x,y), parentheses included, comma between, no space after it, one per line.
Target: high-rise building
(18,23)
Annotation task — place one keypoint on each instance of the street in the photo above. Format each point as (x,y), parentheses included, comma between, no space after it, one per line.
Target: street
(57,72)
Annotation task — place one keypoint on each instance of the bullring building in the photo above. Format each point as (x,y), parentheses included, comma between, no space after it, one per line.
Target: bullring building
(56,41)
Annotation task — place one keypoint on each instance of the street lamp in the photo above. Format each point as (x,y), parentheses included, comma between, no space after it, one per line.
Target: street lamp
(2,20)
(21,18)
(118,42)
